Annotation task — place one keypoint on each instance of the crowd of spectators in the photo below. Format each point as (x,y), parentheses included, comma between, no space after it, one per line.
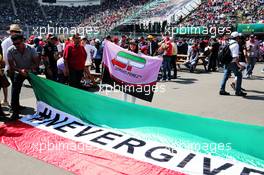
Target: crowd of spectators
(225,13)
(6,13)
(157,11)
(31,13)
(111,13)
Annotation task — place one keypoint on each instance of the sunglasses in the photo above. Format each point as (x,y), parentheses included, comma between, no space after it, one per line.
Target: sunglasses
(15,31)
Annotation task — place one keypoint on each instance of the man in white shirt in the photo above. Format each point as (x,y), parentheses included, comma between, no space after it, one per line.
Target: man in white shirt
(234,67)
(14,29)
(60,48)
(252,46)
(174,58)
(91,53)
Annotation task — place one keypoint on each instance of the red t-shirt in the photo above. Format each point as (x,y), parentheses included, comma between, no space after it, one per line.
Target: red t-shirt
(75,56)
(169,50)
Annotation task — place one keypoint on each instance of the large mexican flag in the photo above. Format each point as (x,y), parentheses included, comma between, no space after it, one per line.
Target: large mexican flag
(86,133)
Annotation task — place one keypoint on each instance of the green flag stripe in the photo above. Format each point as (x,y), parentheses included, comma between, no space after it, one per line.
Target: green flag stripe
(131,57)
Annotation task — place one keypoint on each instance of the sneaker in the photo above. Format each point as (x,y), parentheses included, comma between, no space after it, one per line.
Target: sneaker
(4,103)
(15,117)
(224,93)
(243,94)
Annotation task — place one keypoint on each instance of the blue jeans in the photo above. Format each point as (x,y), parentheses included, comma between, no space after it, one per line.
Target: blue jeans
(166,65)
(232,67)
(251,65)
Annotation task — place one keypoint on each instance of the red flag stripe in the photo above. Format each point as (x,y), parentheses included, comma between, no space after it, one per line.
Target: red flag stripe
(76,157)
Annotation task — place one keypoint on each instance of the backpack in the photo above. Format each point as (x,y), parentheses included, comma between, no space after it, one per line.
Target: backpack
(225,55)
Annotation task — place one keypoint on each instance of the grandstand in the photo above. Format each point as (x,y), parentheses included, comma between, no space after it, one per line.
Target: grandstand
(150,16)
(154,16)
(160,10)
(32,13)
(71,3)
(225,13)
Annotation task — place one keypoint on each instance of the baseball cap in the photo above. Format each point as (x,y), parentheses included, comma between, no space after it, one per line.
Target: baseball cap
(234,35)
(132,42)
(150,37)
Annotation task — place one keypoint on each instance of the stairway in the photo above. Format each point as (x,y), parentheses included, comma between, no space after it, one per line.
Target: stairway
(43,12)
(14,7)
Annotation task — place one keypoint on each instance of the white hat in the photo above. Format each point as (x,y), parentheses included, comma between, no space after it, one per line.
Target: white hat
(234,34)
(14,27)
(97,40)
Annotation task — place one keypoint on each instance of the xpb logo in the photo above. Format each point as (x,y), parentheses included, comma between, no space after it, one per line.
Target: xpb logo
(126,60)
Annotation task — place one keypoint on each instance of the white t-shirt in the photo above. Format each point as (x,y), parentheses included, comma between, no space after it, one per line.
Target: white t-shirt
(60,47)
(5,45)
(234,48)
(63,46)
(60,64)
(175,49)
(252,48)
(91,53)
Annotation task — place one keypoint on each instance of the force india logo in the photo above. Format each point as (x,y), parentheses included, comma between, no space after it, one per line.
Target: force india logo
(126,61)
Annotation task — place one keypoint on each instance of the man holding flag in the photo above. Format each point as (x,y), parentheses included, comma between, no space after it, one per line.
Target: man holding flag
(22,59)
